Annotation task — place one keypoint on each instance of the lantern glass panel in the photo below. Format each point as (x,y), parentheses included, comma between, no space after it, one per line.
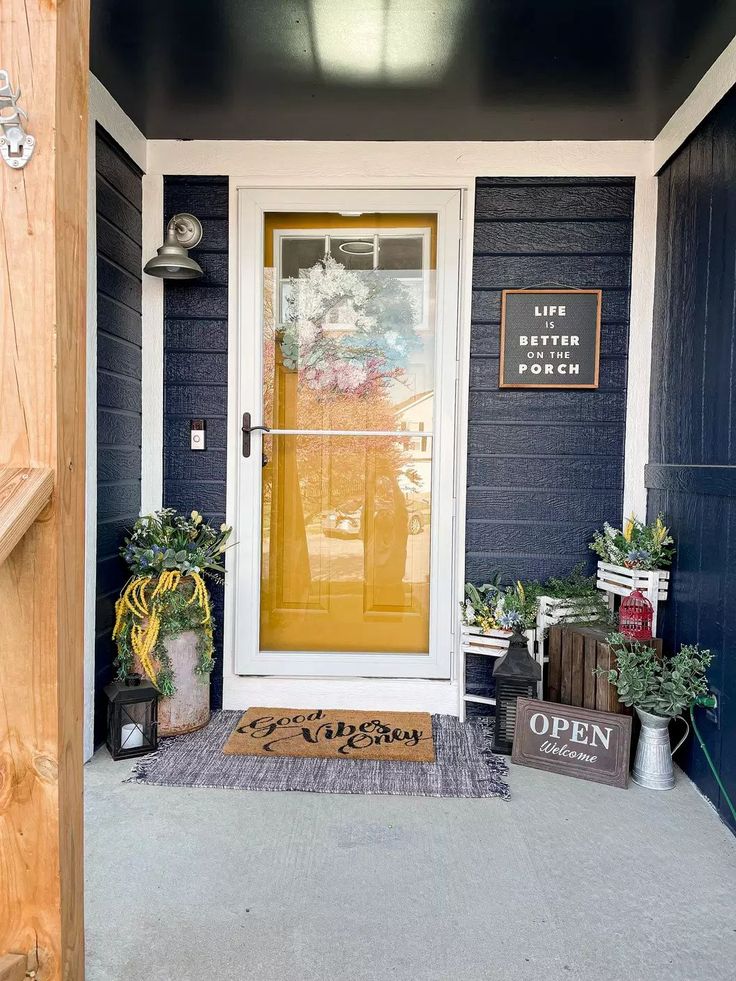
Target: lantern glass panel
(507,692)
(135,725)
(132,719)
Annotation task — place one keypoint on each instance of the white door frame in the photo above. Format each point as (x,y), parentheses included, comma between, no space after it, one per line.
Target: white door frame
(245,475)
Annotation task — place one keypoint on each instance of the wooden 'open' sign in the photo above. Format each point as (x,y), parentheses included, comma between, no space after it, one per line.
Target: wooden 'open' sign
(576,741)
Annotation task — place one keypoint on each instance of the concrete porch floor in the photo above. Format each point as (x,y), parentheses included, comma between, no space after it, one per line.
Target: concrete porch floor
(568,880)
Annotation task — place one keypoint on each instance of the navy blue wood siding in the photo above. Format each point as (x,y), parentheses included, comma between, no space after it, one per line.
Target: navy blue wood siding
(119,193)
(195,371)
(692,471)
(545,468)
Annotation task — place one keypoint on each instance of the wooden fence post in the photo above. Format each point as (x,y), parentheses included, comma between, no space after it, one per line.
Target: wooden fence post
(44,47)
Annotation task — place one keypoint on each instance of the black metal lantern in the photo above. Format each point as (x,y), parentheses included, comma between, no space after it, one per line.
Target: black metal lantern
(516,675)
(132,718)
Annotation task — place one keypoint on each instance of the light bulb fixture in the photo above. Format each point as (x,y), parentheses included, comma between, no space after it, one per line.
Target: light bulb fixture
(357,248)
(172,260)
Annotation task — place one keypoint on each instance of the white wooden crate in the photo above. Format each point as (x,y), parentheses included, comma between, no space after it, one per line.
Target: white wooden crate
(552,611)
(492,643)
(617,580)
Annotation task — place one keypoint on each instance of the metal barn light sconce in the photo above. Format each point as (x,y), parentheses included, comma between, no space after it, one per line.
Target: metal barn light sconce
(172,260)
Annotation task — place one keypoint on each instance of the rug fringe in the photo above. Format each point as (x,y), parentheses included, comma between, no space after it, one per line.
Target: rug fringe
(497,765)
(139,773)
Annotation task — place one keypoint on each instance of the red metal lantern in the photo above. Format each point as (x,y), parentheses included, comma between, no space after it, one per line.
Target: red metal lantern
(635,616)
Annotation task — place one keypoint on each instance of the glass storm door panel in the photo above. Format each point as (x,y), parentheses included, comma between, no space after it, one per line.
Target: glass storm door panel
(345,558)
(348,352)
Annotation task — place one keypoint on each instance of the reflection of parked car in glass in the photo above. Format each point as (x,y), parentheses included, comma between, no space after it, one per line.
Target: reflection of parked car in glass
(343,522)
(418,510)
(347,521)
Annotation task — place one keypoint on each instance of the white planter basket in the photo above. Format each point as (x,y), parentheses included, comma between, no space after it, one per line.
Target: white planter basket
(552,611)
(491,643)
(617,580)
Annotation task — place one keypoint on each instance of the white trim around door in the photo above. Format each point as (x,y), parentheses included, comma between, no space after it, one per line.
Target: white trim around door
(244,476)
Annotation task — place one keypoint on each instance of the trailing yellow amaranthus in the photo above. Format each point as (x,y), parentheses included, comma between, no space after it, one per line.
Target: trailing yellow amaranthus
(151,607)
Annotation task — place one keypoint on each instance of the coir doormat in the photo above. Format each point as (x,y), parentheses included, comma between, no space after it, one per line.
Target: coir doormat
(334,734)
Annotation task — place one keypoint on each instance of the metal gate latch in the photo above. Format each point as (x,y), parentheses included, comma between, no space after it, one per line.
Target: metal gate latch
(16,146)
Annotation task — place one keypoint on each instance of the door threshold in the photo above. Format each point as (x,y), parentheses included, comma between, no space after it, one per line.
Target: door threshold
(387,694)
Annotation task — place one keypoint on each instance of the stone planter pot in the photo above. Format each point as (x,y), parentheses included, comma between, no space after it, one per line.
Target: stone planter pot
(188,709)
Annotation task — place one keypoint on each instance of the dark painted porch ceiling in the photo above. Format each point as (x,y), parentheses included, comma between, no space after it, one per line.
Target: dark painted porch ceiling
(405,69)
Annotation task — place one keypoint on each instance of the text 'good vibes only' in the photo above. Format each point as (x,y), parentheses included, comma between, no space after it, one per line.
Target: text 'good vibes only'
(351,739)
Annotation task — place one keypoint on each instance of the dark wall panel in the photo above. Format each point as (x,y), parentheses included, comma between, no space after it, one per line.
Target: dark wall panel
(692,474)
(545,468)
(195,370)
(119,201)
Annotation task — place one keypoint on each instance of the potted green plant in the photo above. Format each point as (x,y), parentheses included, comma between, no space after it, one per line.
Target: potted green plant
(659,689)
(164,624)
(639,546)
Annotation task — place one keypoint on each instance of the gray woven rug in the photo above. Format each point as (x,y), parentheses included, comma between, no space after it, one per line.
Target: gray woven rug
(464,766)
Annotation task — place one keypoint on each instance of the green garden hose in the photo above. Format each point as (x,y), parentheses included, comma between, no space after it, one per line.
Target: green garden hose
(708,701)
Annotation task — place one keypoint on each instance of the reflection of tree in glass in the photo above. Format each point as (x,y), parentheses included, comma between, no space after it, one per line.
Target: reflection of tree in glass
(329,367)
(348,331)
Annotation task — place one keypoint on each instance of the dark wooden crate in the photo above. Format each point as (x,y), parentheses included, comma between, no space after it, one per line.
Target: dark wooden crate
(574,654)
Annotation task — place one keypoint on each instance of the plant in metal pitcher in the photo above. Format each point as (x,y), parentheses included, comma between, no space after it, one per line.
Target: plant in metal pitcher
(661,686)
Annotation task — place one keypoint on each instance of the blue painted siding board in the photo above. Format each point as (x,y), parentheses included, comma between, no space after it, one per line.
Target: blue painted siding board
(532,200)
(547,439)
(195,371)
(535,406)
(119,194)
(566,504)
(545,468)
(199,303)
(692,474)
(196,335)
(117,319)
(114,244)
(551,237)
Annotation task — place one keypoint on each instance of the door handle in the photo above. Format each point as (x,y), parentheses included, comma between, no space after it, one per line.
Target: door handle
(247,429)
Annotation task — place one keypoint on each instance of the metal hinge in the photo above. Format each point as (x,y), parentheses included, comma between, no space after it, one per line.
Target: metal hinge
(16,146)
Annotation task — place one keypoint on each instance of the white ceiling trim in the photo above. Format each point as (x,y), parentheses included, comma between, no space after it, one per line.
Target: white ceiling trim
(103,109)
(720,77)
(282,162)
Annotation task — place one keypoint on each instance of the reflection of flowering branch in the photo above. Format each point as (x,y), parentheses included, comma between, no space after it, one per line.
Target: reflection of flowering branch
(373,346)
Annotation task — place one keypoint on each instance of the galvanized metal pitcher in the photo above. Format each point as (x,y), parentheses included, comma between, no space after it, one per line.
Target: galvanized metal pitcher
(653,761)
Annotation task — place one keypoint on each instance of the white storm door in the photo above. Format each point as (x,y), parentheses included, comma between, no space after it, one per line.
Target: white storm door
(347,307)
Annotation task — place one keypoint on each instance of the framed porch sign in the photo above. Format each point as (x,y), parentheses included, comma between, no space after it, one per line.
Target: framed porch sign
(567,739)
(550,338)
